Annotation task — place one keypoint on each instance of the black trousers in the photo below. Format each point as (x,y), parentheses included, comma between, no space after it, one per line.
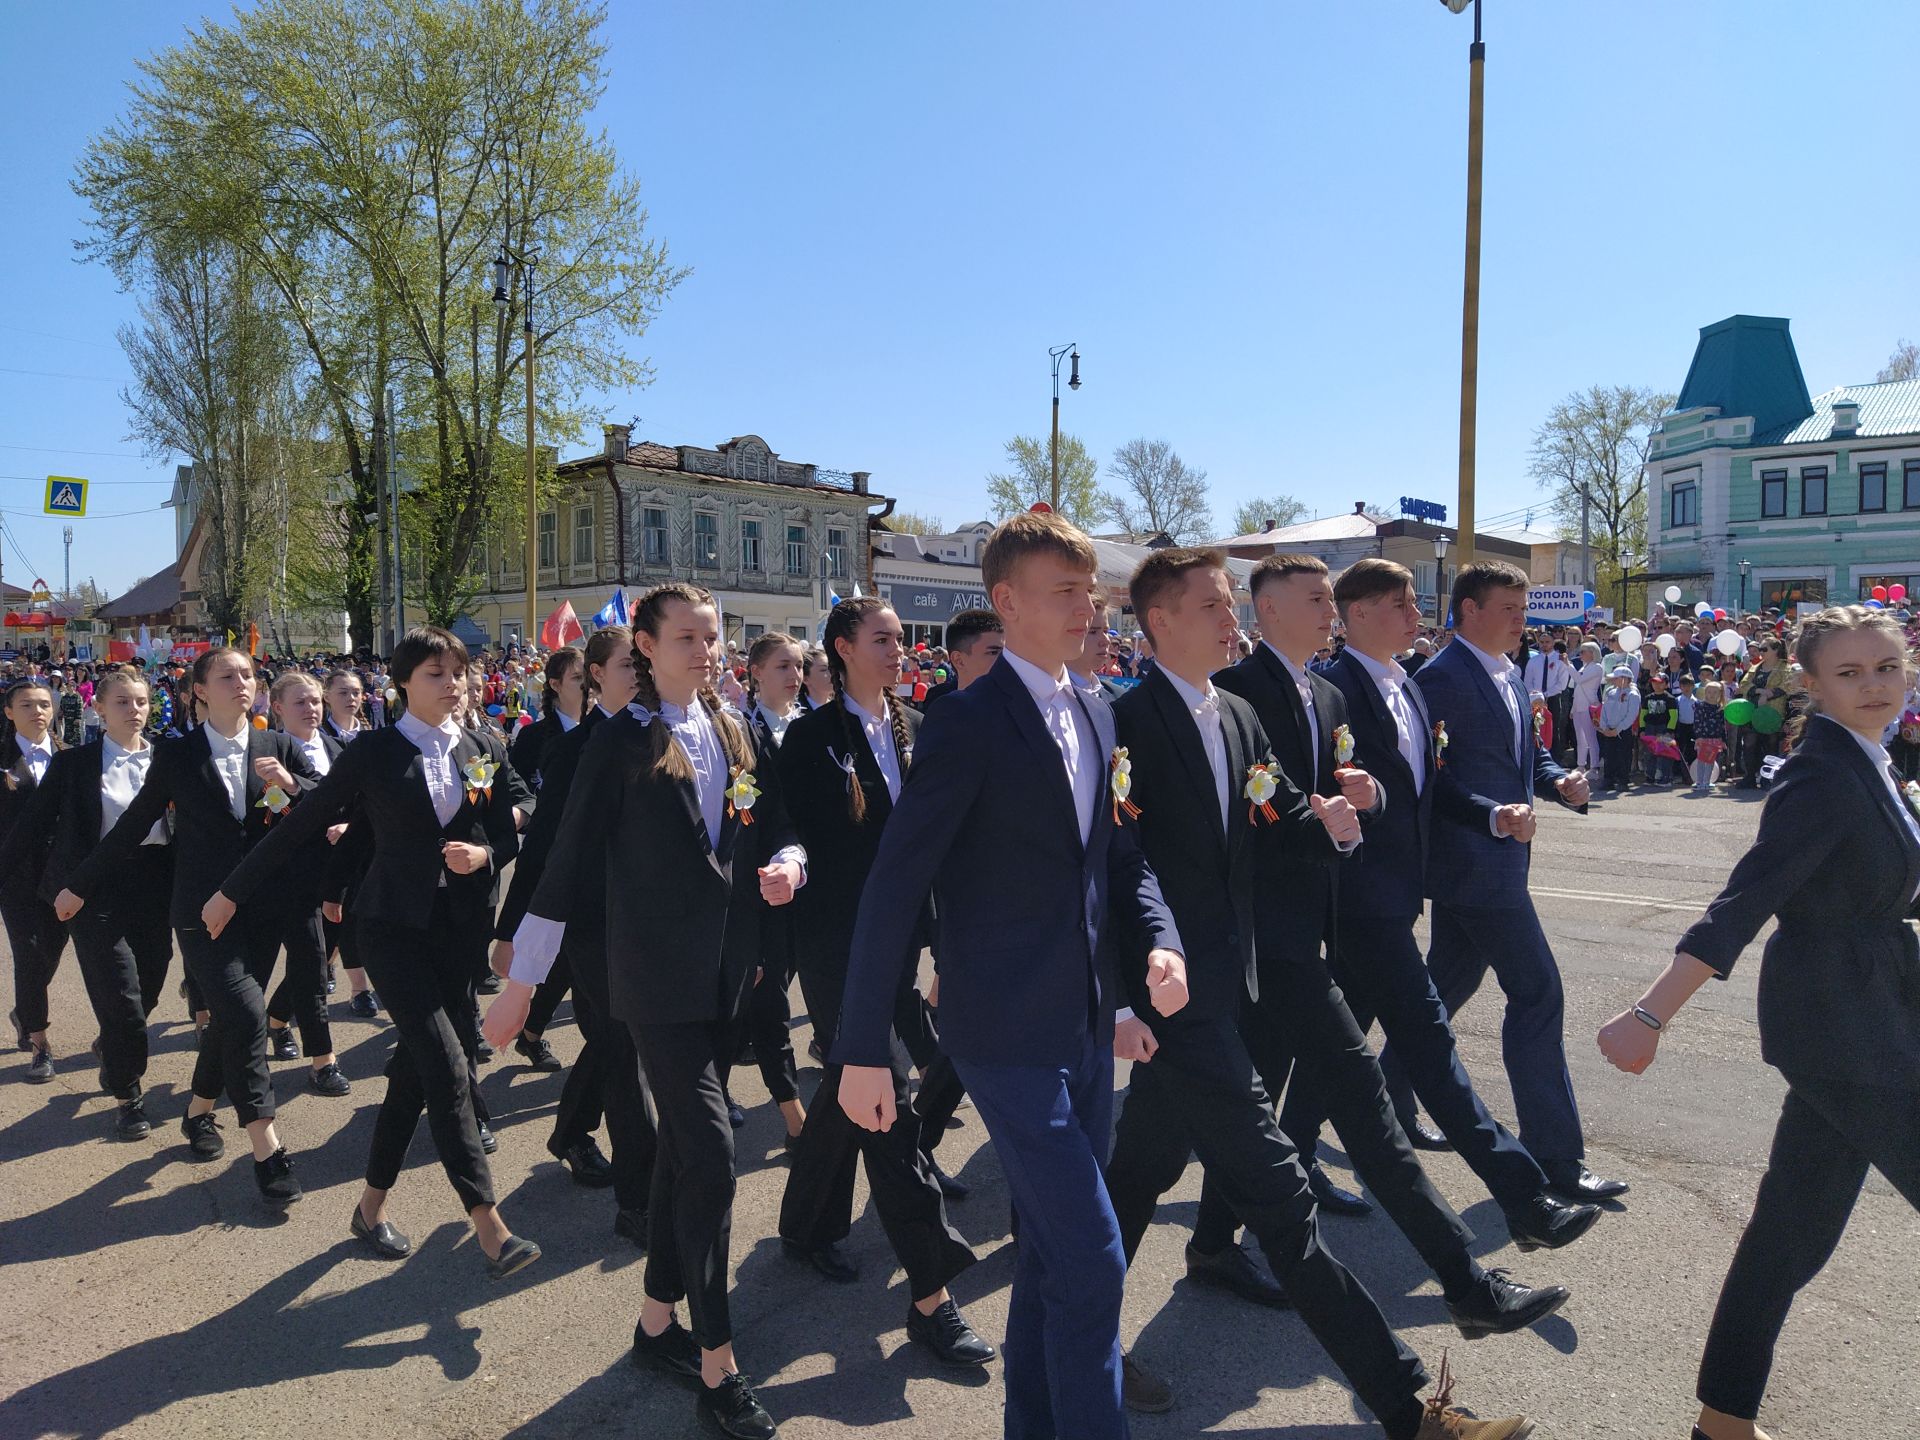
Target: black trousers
(1561,708)
(941,1091)
(690,1211)
(913,1022)
(765,1025)
(301,995)
(124,946)
(1830,1131)
(1616,760)
(36,937)
(817,1207)
(1302,1019)
(229,976)
(1200,1095)
(548,995)
(425,979)
(606,1080)
(1384,977)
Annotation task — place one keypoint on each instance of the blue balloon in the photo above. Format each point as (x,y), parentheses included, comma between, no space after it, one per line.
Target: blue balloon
(1588,599)
(1876,605)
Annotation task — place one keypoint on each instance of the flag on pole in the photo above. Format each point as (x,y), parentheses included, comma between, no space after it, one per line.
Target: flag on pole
(562,627)
(614,612)
(253,640)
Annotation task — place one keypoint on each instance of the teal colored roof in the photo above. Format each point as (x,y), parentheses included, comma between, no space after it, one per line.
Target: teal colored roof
(1889,409)
(1746,365)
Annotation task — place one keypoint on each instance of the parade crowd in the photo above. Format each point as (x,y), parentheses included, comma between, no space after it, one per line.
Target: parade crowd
(1199,849)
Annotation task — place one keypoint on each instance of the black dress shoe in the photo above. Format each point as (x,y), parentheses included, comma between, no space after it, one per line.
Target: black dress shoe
(736,1117)
(518,1253)
(631,1225)
(482,1052)
(1547,1224)
(274,1175)
(1235,1270)
(203,1136)
(951,1188)
(538,1053)
(586,1163)
(948,1336)
(829,1259)
(731,1405)
(814,1052)
(672,1350)
(1571,1180)
(40,1068)
(1331,1199)
(1423,1136)
(490,984)
(281,1044)
(330,977)
(1142,1391)
(328,1080)
(366,1005)
(489,1142)
(132,1123)
(385,1241)
(1498,1306)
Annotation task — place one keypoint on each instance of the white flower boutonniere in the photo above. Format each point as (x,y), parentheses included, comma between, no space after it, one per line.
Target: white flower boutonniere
(274,801)
(1120,783)
(1912,791)
(480,771)
(742,791)
(1259,791)
(1342,745)
(1440,743)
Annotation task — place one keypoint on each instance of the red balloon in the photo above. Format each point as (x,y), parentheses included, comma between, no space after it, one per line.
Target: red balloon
(1719,614)
(1896,592)
(1880,592)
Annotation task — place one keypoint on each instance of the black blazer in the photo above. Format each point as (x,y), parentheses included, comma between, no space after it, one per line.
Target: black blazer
(208,841)
(60,823)
(1840,978)
(378,781)
(308,877)
(528,749)
(1208,875)
(840,854)
(588,911)
(17,787)
(683,913)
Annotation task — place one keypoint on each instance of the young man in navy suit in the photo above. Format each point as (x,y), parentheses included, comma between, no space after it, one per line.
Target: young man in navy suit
(1044,900)
(1377,961)
(1477,864)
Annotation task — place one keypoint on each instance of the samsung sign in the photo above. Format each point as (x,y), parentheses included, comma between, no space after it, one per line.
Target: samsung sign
(1555,604)
(1423,510)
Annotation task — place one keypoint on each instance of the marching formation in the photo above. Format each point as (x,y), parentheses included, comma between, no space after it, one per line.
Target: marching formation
(1211,867)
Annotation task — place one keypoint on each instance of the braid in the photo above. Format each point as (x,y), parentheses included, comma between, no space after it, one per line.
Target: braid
(897,713)
(732,737)
(669,759)
(856,792)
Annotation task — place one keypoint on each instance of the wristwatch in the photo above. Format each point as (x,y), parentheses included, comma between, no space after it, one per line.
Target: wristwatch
(1648,1018)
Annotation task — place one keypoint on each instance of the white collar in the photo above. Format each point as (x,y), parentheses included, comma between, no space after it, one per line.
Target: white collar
(228,742)
(861,713)
(1298,672)
(567,722)
(422,734)
(1191,696)
(1042,686)
(1498,666)
(44,747)
(1380,670)
(1875,751)
(115,749)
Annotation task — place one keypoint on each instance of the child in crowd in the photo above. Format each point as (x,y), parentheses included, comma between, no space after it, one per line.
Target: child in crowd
(1619,713)
(1709,733)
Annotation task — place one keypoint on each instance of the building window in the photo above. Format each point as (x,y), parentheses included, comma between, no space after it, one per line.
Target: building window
(1773,494)
(653,536)
(1873,487)
(583,534)
(1910,487)
(796,549)
(549,526)
(1684,505)
(1813,490)
(750,545)
(706,540)
(1869,582)
(837,553)
(1783,595)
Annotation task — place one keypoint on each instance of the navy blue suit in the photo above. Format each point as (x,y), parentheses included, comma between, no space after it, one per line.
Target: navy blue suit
(1029,972)
(1483,915)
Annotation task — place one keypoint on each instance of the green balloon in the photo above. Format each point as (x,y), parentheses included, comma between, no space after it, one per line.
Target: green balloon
(1767,720)
(1738,712)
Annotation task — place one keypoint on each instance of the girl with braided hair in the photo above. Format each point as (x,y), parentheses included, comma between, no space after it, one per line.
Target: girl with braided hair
(681,817)
(842,766)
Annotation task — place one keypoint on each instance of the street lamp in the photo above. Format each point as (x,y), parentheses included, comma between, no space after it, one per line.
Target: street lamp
(1746,569)
(1071,351)
(1470,292)
(1440,542)
(503,267)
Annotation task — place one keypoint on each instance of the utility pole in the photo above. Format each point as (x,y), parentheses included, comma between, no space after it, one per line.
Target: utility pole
(383,625)
(1586,539)
(1470,290)
(67,581)
(399,531)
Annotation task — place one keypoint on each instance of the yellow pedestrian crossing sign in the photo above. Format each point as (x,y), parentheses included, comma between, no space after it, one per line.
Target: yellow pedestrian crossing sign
(66,495)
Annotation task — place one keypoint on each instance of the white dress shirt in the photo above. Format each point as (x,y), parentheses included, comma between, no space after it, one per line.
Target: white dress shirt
(230,759)
(1503,673)
(316,752)
(776,723)
(879,732)
(122,773)
(1548,673)
(1204,707)
(1305,687)
(435,744)
(567,722)
(1391,681)
(1882,763)
(38,757)
(1066,720)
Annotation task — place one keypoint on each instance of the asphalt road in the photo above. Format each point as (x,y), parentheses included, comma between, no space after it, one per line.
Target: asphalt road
(147,1296)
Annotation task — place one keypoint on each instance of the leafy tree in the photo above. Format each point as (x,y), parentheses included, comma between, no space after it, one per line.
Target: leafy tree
(1255,515)
(1029,477)
(1591,450)
(1903,364)
(912,522)
(1158,491)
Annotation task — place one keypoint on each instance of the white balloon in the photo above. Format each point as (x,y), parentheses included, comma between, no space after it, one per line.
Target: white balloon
(1629,637)
(1703,609)
(1673,594)
(1665,645)
(1727,642)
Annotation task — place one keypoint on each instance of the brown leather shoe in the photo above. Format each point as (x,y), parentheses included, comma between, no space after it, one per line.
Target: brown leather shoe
(1142,1391)
(1442,1421)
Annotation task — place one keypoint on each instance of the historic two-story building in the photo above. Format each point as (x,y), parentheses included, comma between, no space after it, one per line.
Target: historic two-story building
(1774,497)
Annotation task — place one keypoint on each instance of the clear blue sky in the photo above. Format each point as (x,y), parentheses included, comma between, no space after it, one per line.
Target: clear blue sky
(1249,215)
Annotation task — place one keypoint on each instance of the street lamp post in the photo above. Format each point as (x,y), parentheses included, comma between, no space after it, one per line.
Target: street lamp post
(1746,569)
(1470,294)
(503,266)
(1440,543)
(1071,351)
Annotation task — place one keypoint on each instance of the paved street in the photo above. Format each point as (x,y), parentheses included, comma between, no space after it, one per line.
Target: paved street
(146,1296)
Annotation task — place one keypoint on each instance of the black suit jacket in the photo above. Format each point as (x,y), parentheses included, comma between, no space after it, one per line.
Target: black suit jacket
(60,823)
(683,912)
(587,914)
(208,841)
(1208,872)
(528,749)
(1834,860)
(378,785)
(17,787)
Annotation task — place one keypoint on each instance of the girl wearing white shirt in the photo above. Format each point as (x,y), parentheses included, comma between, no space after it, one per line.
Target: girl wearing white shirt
(34,933)
(1587,684)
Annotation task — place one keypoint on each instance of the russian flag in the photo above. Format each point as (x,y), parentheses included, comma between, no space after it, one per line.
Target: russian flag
(614,612)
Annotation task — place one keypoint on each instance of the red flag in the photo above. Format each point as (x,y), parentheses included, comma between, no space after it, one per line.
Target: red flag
(253,640)
(562,627)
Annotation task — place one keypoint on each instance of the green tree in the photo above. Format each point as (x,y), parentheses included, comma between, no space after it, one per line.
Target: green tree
(1277,510)
(1029,478)
(1158,492)
(1590,453)
(912,522)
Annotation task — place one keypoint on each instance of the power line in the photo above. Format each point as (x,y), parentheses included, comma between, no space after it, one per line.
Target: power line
(106,515)
(65,375)
(157,480)
(59,450)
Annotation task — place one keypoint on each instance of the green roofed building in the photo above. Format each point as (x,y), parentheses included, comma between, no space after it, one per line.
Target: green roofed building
(1791,498)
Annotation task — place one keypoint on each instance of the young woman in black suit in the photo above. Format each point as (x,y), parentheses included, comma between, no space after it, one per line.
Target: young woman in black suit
(841,767)
(34,933)
(680,815)
(439,818)
(1837,860)
(123,943)
(298,705)
(346,719)
(346,706)
(562,703)
(227,782)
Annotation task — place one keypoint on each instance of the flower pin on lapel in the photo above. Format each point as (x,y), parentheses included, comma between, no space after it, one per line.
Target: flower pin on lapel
(274,801)
(1440,742)
(1342,745)
(480,770)
(1120,783)
(742,791)
(1259,791)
